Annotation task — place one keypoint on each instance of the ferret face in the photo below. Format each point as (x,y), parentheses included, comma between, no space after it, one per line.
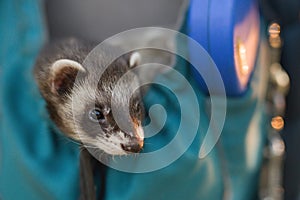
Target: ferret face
(110,116)
(107,115)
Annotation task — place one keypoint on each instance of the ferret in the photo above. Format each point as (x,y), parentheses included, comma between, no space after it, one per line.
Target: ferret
(55,72)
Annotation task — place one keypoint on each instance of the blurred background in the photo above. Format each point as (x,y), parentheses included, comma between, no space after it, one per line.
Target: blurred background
(25,27)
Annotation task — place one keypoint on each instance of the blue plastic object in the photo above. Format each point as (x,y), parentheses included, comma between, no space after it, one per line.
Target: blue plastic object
(229,31)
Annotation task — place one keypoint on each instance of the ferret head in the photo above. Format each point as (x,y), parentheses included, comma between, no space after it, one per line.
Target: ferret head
(97,114)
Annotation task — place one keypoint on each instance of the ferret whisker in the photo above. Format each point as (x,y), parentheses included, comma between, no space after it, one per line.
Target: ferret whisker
(101,154)
(81,150)
(73,141)
(135,156)
(114,158)
(148,143)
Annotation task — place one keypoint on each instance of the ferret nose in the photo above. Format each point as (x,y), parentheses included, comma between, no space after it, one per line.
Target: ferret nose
(133,147)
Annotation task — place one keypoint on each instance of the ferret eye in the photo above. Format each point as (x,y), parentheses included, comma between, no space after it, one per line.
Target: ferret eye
(96,115)
(137,105)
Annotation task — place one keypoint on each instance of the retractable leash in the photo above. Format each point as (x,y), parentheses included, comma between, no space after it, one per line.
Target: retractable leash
(229,31)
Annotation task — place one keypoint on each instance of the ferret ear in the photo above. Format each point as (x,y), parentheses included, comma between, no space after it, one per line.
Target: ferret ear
(64,72)
(134,59)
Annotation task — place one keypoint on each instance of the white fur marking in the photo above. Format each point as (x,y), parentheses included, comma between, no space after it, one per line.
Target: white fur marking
(61,63)
(135,59)
(140,132)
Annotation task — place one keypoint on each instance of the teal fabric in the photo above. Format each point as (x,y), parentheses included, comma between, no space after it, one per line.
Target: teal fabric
(38,163)
(34,162)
